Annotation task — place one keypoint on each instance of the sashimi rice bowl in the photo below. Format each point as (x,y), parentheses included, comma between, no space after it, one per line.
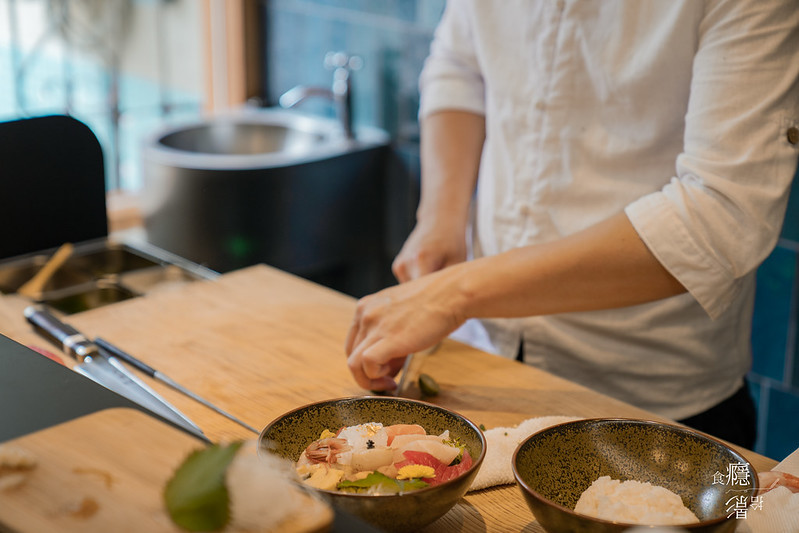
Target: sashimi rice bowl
(397,463)
(375,459)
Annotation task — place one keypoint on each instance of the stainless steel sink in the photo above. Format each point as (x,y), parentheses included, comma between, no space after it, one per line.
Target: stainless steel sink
(269,186)
(101,272)
(253,139)
(245,138)
(84,298)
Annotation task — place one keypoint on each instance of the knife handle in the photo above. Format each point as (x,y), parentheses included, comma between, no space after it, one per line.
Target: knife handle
(71,340)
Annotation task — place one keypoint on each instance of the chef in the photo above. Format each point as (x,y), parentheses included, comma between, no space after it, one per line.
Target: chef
(600,182)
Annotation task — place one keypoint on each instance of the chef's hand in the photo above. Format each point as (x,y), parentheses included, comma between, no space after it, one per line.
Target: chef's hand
(431,246)
(397,321)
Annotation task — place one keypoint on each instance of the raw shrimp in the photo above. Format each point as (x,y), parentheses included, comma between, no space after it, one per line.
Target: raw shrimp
(775,478)
(326,450)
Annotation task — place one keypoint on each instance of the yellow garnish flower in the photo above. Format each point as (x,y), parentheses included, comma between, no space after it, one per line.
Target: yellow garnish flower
(327,434)
(416,471)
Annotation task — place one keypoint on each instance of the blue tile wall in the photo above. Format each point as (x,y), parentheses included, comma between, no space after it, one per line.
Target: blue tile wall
(793,367)
(790,228)
(775,351)
(773,302)
(782,437)
(393,38)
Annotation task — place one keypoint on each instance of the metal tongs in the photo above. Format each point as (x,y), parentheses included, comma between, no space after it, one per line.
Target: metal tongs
(412,369)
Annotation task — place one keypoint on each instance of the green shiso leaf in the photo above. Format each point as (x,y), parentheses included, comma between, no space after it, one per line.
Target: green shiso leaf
(382,483)
(196,496)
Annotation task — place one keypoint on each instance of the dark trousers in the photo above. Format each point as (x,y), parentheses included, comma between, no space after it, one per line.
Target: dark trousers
(733,420)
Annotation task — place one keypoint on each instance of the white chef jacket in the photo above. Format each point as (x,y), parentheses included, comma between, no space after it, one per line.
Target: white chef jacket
(677,112)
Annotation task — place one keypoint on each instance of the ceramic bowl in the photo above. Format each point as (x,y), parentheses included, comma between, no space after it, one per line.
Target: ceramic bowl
(554,466)
(291,433)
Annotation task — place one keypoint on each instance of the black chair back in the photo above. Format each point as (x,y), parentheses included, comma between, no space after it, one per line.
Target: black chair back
(52,184)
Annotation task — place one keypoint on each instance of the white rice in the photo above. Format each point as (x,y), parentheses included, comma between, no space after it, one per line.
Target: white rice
(263,492)
(633,502)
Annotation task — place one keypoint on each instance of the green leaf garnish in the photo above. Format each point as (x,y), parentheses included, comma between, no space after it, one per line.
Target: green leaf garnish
(382,483)
(196,496)
(456,443)
(428,385)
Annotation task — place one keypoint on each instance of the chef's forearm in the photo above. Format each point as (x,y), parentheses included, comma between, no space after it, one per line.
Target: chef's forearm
(452,143)
(605,266)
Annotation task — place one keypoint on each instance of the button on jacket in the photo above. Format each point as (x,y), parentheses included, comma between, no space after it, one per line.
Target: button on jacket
(677,112)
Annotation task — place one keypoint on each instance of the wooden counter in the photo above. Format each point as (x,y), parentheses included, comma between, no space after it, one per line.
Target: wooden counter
(259,342)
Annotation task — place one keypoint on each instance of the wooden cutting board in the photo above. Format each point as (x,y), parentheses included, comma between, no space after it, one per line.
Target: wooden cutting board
(105,472)
(100,472)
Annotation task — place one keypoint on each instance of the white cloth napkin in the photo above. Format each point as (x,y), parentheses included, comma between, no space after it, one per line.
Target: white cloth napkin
(501,442)
(779,512)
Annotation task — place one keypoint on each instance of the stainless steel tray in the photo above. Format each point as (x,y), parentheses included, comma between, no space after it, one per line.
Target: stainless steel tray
(102,272)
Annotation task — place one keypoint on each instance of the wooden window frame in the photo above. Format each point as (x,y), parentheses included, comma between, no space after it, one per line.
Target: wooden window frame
(233,56)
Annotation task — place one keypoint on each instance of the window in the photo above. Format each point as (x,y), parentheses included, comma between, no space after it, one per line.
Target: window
(124,67)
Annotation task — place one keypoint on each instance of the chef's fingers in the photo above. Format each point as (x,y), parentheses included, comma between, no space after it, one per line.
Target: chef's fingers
(368,314)
(400,270)
(359,329)
(355,366)
(352,333)
(422,263)
(362,321)
(377,381)
(372,364)
(400,265)
(383,384)
(396,365)
(387,382)
(426,263)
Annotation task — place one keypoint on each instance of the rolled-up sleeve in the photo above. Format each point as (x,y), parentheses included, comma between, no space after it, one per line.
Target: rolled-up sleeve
(451,77)
(721,214)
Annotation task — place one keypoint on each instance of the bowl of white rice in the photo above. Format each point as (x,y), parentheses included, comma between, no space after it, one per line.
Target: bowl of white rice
(610,475)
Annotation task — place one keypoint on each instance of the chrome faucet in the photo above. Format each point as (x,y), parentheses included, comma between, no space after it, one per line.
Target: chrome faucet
(342,65)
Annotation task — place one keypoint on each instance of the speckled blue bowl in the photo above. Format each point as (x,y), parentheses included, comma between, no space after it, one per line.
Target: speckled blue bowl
(554,466)
(290,434)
